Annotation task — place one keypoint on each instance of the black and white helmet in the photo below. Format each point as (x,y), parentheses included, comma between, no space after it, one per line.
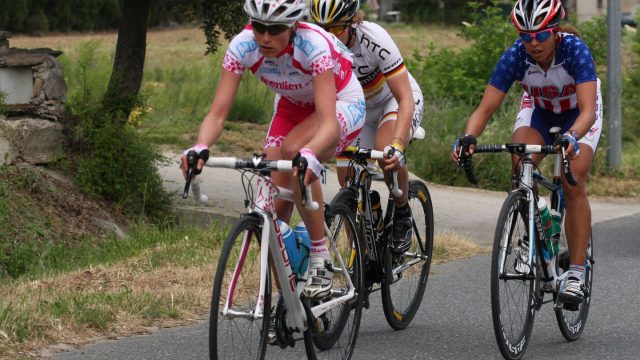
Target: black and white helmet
(275,11)
(326,12)
(534,15)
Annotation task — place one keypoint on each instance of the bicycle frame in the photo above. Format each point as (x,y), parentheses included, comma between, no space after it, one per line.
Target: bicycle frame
(290,286)
(526,184)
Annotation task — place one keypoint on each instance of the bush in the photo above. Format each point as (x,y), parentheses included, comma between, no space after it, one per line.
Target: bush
(120,167)
(37,23)
(462,75)
(113,161)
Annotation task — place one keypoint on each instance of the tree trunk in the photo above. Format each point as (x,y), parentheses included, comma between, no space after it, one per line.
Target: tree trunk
(128,64)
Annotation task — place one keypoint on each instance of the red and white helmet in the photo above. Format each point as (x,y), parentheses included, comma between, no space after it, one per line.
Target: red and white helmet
(275,11)
(534,15)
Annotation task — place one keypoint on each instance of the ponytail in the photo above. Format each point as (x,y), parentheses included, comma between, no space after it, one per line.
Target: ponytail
(567,28)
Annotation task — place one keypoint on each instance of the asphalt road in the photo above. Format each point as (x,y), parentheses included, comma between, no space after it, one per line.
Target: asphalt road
(454,321)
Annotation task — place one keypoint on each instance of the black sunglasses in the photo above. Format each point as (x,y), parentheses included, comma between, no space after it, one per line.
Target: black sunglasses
(274,29)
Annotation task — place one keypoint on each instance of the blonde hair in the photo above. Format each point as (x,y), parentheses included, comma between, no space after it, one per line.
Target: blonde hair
(358,17)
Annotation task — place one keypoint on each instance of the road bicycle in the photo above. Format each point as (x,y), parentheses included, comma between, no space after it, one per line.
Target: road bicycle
(402,278)
(521,277)
(245,309)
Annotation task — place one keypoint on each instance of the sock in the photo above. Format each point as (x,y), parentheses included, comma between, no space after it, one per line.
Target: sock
(577,270)
(319,248)
(402,211)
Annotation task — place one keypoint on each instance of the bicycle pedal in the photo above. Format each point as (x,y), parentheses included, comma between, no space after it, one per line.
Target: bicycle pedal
(571,306)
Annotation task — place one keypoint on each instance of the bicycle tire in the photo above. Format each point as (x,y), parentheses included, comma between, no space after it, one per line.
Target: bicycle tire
(572,323)
(402,293)
(339,327)
(233,338)
(513,302)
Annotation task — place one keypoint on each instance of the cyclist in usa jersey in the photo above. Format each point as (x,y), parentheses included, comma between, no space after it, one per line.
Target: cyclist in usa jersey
(394,99)
(319,106)
(557,72)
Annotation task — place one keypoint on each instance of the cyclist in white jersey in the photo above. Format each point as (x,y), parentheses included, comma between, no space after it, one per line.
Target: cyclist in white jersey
(319,106)
(394,99)
(557,73)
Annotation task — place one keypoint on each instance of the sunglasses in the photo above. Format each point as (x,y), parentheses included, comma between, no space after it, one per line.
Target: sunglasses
(336,30)
(540,36)
(274,29)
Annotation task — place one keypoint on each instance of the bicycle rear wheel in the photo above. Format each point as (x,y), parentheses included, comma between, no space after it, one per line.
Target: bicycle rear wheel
(336,330)
(512,290)
(572,323)
(239,335)
(406,275)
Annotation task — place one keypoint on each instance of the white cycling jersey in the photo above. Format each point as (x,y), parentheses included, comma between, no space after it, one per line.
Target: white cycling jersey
(312,52)
(376,58)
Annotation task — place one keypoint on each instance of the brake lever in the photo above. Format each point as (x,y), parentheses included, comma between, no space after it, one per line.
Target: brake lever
(192,159)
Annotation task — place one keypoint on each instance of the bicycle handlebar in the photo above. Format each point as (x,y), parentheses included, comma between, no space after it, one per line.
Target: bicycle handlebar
(255,163)
(465,161)
(361,155)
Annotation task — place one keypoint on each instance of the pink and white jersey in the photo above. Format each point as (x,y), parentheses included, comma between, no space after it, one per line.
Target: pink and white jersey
(376,58)
(312,52)
(554,89)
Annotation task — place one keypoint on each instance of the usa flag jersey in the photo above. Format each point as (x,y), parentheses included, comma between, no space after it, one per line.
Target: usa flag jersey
(554,89)
(312,52)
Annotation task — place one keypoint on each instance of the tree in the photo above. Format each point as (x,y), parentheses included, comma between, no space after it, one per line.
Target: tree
(217,16)
(128,64)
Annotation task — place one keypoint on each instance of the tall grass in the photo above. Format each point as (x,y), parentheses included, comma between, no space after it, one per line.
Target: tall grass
(181,97)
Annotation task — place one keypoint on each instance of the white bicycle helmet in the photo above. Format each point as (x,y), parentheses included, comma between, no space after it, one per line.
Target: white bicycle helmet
(534,15)
(330,11)
(275,11)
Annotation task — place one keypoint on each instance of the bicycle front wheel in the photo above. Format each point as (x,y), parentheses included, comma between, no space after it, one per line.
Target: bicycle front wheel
(572,323)
(235,331)
(512,284)
(406,275)
(336,330)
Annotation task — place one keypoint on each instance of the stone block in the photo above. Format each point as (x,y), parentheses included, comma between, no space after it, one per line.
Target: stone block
(35,141)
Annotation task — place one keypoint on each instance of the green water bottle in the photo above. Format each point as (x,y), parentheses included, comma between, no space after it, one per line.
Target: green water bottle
(556,223)
(545,220)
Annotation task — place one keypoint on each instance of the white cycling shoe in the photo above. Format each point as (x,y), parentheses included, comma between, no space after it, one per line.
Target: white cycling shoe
(320,278)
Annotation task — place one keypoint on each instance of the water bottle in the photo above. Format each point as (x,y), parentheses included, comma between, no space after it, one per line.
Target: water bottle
(556,223)
(303,241)
(545,219)
(376,209)
(290,244)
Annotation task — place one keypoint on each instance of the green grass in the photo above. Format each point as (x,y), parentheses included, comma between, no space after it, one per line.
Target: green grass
(34,305)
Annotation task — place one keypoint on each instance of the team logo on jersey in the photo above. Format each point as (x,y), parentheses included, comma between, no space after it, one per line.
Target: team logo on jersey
(305,46)
(551,91)
(374,47)
(246,47)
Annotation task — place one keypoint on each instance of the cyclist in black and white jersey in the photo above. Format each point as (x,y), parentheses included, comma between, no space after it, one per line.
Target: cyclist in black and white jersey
(393,97)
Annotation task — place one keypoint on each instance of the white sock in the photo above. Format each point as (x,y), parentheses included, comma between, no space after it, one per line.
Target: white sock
(319,248)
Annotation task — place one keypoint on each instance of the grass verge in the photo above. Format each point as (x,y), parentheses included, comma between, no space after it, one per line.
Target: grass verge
(165,281)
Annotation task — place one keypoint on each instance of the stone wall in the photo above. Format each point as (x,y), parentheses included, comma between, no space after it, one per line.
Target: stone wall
(30,119)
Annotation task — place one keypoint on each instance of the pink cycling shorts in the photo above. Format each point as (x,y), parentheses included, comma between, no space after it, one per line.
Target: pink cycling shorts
(350,114)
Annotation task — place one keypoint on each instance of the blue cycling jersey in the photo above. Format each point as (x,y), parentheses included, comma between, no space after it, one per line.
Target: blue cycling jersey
(553,89)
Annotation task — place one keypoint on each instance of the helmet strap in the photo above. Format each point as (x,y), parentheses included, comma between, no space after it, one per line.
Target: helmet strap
(351,31)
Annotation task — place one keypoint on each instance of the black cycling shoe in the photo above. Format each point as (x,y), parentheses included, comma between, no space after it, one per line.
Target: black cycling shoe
(402,231)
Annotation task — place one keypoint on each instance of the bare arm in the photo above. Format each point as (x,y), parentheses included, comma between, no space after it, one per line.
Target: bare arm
(586,93)
(401,90)
(213,123)
(324,141)
(491,100)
